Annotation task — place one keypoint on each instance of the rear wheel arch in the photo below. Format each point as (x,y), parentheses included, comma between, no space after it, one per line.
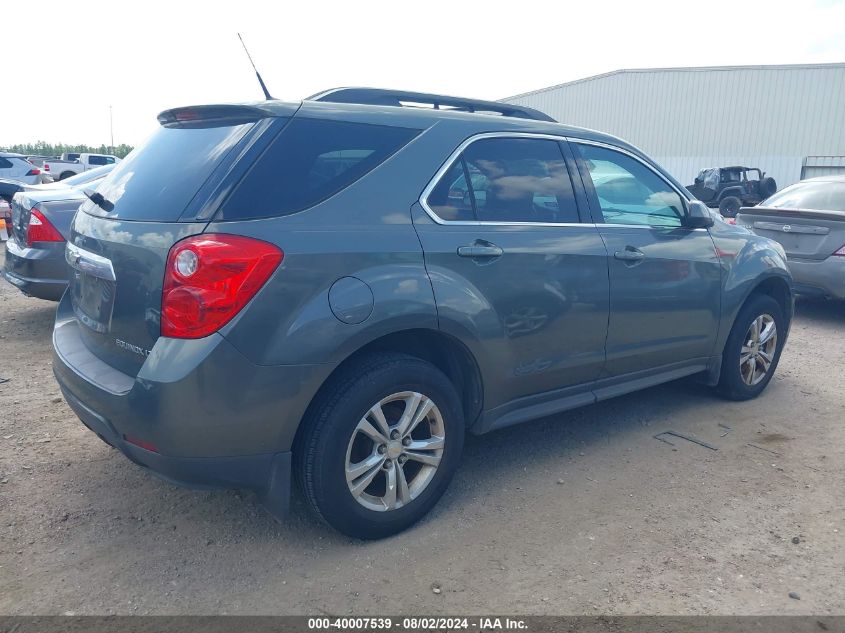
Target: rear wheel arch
(443,351)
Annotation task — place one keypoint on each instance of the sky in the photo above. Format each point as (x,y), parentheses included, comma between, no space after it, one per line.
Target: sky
(73,61)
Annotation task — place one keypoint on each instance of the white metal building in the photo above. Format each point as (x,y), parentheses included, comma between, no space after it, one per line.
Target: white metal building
(787,120)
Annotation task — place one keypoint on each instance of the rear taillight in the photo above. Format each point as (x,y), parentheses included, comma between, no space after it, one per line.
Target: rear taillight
(34,172)
(840,252)
(209,279)
(46,167)
(40,229)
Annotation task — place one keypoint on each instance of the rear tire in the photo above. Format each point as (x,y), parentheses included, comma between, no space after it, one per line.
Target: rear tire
(66,174)
(729,206)
(749,360)
(369,476)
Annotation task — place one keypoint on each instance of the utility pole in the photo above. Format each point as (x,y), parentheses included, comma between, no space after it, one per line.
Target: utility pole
(111,129)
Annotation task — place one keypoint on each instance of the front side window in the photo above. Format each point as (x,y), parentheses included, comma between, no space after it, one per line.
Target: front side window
(507,180)
(628,192)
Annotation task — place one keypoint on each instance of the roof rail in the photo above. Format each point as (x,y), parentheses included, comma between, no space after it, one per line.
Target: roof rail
(378,96)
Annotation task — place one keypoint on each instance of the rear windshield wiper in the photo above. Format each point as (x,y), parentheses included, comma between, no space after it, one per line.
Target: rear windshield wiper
(99,200)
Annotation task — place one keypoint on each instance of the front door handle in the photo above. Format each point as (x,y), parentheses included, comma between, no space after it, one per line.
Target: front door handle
(480,251)
(630,254)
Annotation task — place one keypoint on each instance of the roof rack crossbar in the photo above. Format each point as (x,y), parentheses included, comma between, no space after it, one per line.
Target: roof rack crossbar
(378,96)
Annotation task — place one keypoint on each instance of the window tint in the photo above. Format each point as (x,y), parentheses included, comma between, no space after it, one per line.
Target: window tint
(520,180)
(310,161)
(5,163)
(507,180)
(451,199)
(97,160)
(818,196)
(158,180)
(628,192)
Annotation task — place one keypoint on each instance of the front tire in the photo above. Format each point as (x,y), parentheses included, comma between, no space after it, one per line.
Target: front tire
(381,445)
(753,349)
(729,206)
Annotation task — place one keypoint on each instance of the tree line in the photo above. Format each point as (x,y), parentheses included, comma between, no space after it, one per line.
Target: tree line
(42,148)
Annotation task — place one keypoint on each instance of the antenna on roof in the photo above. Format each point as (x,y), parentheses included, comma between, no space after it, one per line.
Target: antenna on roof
(257,74)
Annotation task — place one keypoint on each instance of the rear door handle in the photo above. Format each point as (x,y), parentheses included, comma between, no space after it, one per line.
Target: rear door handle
(478,250)
(630,254)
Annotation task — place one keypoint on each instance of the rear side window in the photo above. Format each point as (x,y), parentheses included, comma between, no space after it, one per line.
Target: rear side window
(157,180)
(310,161)
(100,160)
(816,196)
(507,180)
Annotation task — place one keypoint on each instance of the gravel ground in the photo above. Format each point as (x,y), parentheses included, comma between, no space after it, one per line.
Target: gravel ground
(582,513)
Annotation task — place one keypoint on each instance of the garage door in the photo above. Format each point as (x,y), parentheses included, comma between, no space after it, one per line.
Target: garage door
(823,166)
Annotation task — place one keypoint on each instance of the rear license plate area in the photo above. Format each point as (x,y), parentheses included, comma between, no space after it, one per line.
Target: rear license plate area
(93,300)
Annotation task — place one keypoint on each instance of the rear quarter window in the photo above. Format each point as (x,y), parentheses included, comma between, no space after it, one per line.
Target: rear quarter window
(310,161)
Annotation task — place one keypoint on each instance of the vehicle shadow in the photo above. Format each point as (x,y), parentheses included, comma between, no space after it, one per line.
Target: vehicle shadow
(549,444)
(820,310)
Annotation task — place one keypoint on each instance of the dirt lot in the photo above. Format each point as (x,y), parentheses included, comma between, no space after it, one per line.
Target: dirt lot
(582,513)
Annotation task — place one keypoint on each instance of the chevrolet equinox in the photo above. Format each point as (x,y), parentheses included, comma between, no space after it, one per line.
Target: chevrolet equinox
(336,291)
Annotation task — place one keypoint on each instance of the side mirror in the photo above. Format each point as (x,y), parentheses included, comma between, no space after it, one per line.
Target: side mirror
(698,215)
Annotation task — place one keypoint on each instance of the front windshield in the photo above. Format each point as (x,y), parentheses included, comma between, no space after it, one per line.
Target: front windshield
(815,195)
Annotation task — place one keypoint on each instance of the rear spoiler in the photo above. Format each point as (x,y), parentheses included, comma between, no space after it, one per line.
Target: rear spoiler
(224,114)
(815,214)
(8,189)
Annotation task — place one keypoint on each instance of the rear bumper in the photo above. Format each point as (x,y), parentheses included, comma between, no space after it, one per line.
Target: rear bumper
(37,272)
(213,418)
(248,471)
(820,278)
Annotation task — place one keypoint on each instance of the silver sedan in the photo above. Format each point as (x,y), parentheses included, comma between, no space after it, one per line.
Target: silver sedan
(808,219)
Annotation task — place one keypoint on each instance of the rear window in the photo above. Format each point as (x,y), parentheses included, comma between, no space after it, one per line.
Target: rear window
(157,180)
(816,196)
(310,161)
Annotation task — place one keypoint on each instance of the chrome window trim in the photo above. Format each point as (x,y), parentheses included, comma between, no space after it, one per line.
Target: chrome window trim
(447,165)
(450,161)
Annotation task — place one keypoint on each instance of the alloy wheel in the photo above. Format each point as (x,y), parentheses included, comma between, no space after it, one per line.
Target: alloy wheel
(394,451)
(758,350)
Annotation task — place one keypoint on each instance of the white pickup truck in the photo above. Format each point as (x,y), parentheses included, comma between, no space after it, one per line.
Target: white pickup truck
(72,164)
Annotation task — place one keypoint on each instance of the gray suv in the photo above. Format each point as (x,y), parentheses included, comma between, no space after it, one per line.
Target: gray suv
(338,290)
